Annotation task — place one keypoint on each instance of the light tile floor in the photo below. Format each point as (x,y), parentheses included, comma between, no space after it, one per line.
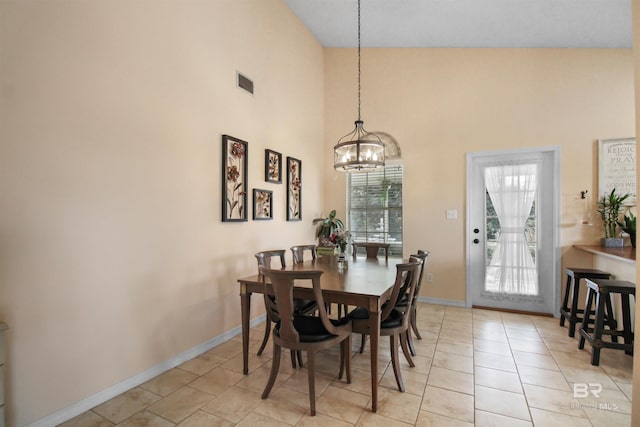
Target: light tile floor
(474,367)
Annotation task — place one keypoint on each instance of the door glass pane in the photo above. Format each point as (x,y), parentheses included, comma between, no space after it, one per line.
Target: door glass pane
(510,226)
(492,227)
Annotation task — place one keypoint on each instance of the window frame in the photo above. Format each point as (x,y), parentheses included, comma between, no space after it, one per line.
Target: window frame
(366,205)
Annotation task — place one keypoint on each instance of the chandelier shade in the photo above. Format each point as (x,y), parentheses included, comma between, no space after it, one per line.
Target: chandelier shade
(359,151)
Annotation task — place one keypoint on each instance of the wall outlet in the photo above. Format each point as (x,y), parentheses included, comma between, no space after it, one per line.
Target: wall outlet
(429,277)
(452,214)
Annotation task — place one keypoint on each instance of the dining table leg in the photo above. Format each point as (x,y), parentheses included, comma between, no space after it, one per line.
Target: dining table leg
(245,307)
(374,324)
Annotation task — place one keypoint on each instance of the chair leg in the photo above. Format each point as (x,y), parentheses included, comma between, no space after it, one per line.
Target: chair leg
(362,343)
(275,367)
(267,332)
(610,318)
(585,318)
(311,366)
(296,355)
(347,361)
(412,349)
(626,322)
(395,363)
(598,326)
(405,348)
(565,301)
(343,356)
(414,324)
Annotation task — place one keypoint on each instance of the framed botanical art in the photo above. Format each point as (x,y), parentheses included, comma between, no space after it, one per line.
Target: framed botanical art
(234,179)
(294,189)
(262,204)
(272,166)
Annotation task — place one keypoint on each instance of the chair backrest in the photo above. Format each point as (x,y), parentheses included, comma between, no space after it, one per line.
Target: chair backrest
(422,256)
(406,281)
(264,258)
(371,249)
(282,283)
(299,250)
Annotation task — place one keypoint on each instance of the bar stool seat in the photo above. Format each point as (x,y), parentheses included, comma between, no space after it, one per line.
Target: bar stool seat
(601,290)
(574,275)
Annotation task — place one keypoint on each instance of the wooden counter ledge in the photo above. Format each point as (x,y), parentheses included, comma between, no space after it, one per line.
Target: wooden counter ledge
(626,254)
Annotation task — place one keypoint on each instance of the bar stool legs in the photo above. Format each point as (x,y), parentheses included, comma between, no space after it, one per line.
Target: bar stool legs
(574,275)
(601,290)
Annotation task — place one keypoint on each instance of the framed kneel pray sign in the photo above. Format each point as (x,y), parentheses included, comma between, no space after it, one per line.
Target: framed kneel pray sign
(617,167)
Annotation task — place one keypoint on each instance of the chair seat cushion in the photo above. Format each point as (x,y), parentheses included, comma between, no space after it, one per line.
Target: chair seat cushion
(394,319)
(359,313)
(311,329)
(403,301)
(304,306)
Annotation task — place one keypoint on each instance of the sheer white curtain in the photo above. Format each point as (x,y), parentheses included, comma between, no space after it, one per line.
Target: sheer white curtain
(512,189)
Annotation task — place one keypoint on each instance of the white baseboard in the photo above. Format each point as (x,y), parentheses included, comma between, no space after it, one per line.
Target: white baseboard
(86,404)
(439,301)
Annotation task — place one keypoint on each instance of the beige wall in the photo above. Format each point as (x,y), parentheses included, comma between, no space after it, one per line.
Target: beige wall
(441,104)
(113,257)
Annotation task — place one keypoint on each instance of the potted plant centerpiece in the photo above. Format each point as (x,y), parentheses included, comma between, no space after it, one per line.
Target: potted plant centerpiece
(609,207)
(325,227)
(629,227)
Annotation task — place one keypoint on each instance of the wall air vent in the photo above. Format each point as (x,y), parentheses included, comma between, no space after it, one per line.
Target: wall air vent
(245,83)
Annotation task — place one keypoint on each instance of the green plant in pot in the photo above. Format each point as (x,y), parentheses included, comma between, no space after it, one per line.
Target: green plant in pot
(629,227)
(325,227)
(609,207)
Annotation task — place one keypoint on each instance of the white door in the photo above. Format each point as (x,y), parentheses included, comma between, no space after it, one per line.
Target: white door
(512,230)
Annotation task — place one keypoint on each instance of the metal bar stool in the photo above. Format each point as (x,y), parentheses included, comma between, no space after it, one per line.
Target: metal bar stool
(574,275)
(601,290)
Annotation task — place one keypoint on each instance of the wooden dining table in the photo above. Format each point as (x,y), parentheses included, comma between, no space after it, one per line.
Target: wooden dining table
(364,282)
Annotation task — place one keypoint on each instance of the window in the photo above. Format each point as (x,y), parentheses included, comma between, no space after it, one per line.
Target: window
(374,207)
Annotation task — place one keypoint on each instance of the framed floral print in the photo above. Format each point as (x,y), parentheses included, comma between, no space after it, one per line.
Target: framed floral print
(262,206)
(272,166)
(294,189)
(234,179)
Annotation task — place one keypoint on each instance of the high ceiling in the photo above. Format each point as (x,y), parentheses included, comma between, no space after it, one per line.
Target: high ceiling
(468,23)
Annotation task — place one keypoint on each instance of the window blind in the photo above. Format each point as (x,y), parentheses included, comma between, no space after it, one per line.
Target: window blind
(374,207)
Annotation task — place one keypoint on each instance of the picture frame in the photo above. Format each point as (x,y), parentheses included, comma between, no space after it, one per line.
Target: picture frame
(234,179)
(272,166)
(617,167)
(262,204)
(294,189)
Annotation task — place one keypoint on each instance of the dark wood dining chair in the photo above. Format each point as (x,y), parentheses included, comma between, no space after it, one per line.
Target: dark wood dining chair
(298,257)
(304,333)
(394,323)
(298,252)
(402,304)
(372,249)
(301,306)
